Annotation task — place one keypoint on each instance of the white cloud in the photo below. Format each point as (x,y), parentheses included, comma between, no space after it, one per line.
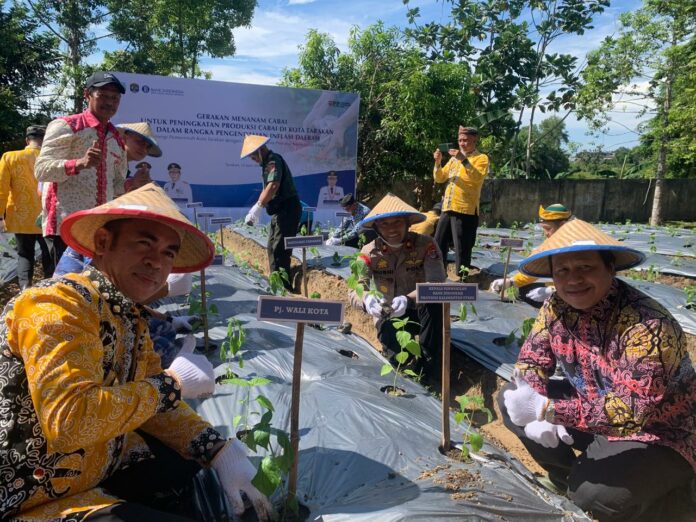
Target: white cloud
(300,2)
(240,73)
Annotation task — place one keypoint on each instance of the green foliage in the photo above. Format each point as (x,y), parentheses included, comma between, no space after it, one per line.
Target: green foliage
(195,303)
(169,37)
(358,273)
(231,346)
(463,272)
(336,259)
(463,311)
(277,281)
(409,348)
(690,294)
(362,240)
(473,441)
(28,58)
(315,295)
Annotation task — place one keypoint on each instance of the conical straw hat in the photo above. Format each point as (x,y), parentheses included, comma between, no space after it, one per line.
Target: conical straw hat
(392,206)
(578,236)
(554,212)
(252,143)
(148,202)
(144,130)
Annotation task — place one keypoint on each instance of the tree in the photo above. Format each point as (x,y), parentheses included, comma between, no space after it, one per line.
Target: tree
(73,23)
(649,45)
(28,59)
(511,71)
(548,158)
(407,103)
(171,36)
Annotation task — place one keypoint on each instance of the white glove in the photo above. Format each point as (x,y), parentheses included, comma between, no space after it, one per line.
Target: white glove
(235,473)
(497,285)
(179,284)
(253,215)
(547,434)
(523,404)
(540,294)
(194,372)
(399,305)
(373,306)
(183,322)
(332,241)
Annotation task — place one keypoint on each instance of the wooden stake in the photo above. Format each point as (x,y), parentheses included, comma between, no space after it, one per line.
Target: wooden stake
(445,442)
(204,312)
(222,240)
(505,271)
(295,409)
(305,290)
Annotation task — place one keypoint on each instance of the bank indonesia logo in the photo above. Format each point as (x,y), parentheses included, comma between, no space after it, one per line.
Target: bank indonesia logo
(134,87)
(145,89)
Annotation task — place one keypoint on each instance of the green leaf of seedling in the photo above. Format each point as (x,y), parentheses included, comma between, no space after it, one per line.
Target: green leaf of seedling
(268,477)
(263,401)
(235,421)
(510,338)
(249,440)
(401,357)
(213,309)
(403,338)
(476,442)
(400,323)
(239,382)
(410,373)
(262,437)
(413,348)
(386,369)
(473,309)
(266,420)
(459,417)
(488,413)
(462,312)
(465,451)
(259,381)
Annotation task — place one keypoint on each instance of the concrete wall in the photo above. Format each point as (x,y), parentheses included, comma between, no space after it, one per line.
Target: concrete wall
(611,200)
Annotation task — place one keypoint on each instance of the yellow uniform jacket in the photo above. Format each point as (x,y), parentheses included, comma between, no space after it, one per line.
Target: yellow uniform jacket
(19,197)
(464,182)
(78,375)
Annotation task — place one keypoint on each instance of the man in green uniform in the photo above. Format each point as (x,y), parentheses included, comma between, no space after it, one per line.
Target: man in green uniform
(279,198)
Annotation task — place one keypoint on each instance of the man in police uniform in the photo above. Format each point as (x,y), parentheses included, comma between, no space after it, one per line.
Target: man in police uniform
(397,260)
(279,198)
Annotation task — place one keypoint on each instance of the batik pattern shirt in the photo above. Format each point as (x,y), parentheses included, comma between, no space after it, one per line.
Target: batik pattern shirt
(77,376)
(68,190)
(627,362)
(19,196)
(350,226)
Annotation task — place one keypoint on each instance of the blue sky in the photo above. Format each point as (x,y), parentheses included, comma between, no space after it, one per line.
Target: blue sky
(280,26)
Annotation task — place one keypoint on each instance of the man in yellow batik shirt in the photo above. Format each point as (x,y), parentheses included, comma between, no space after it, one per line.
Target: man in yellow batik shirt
(464,174)
(20,205)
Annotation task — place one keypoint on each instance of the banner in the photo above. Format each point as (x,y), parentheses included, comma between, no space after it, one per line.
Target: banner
(200,126)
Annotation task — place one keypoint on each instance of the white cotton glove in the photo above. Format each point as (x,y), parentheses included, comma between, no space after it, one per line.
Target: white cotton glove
(547,434)
(523,404)
(193,371)
(497,285)
(179,284)
(235,473)
(253,215)
(399,305)
(373,306)
(540,294)
(182,323)
(333,241)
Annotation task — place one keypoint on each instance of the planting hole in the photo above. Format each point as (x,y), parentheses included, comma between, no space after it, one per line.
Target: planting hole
(348,353)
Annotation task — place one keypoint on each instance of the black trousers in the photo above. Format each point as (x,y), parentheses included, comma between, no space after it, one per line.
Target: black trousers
(152,489)
(461,230)
(614,480)
(427,324)
(56,247)
(26,248)
(283,224)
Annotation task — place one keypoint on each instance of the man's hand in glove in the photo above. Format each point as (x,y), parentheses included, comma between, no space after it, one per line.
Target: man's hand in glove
(182,323)
(373,305)
(253,215)
(497,285)
(235,473)
(399,305)
(523,404)
(547,434)
(194,372)
(540,294)
(333,241)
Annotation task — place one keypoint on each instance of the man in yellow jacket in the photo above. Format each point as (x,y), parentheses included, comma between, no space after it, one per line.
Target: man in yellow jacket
(20,205)
(464,174)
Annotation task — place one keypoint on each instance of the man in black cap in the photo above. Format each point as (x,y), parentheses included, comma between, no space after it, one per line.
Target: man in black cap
(20,205)
(349,232)
(178,190)
(83,159)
